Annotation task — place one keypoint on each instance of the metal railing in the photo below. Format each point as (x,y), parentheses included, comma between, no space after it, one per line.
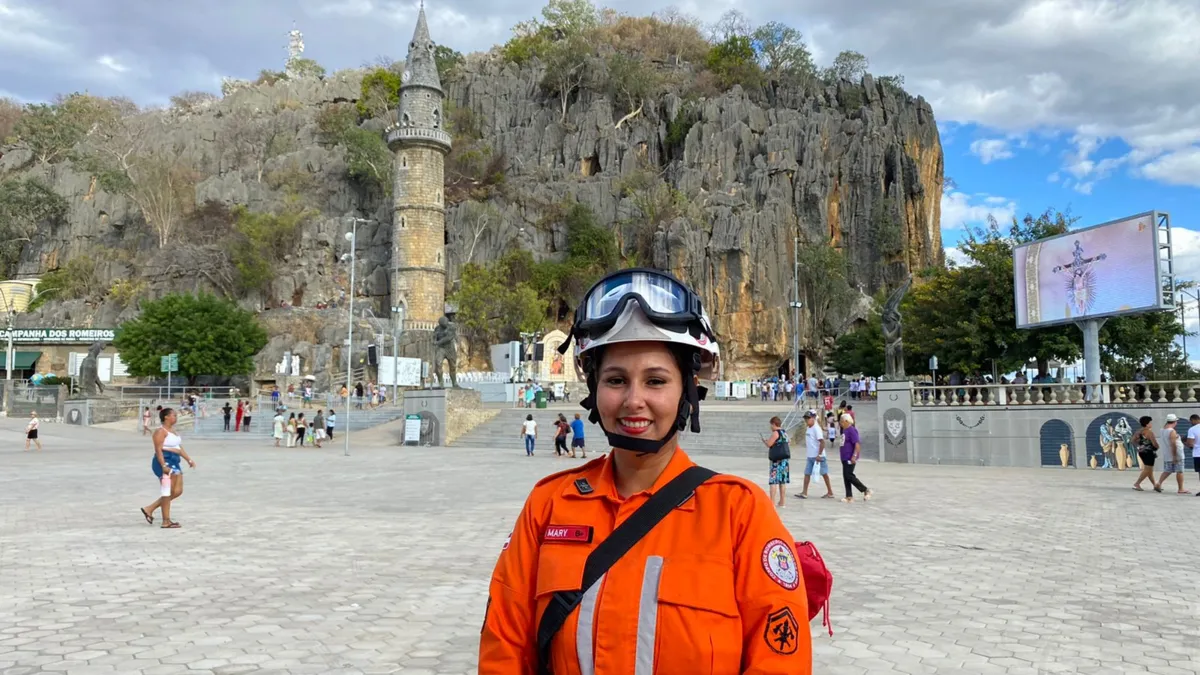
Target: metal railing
(1055,393)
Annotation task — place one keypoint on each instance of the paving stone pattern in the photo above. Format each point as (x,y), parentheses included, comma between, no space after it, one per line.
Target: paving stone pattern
(305,561)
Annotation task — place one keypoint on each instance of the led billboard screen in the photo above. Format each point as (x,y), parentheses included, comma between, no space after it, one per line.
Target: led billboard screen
(1105,270)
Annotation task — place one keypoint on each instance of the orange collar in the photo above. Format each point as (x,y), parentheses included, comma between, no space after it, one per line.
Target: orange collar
(602,481)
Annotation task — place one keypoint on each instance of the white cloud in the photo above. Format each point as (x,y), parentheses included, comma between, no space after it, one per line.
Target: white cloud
(24,30)
(1176,168)
(991,150)
(112,64)
(1101,69)
(955,256)
(960,209)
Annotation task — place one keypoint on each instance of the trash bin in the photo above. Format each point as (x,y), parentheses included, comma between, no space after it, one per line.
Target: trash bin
(540,398)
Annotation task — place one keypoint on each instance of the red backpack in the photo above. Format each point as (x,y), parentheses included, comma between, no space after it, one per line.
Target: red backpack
(818,582)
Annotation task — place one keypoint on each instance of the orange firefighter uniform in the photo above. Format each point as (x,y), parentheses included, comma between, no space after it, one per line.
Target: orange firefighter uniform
(714,588)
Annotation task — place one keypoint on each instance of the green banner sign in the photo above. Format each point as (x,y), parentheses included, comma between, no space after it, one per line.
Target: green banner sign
(59,336)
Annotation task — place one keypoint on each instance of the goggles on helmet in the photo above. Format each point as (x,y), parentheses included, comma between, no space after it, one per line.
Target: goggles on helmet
(665,301)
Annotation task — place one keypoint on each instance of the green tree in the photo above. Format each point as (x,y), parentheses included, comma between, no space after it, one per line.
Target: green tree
(260,241)
(570,17)
(491,308)
(10,114)
(630,82)
(824,281)
(566,66)
(848,65)
(448,62)
(860,350)
(379,92)
(302,67)
(212,337)
(51,131)
(733,61)
(368,160)
(25,203)
(781,50)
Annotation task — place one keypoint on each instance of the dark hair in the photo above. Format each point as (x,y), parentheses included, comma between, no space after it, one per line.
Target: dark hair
(162,414)
(1194,417)
(1145,419)
(776,421)
(529,417)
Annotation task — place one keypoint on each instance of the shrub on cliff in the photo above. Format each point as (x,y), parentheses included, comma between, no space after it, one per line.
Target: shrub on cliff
(212,337)
(260,241)
(25,203)
(368,159)
(379,92)
(734,61)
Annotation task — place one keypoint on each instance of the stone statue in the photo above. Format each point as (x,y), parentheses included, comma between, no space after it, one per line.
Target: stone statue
(892,340)
(89,372)
(445,337)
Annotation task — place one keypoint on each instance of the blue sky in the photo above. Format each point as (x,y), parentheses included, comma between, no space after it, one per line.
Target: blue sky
(1087,104)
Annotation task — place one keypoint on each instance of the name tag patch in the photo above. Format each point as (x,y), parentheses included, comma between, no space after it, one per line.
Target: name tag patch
(575,534)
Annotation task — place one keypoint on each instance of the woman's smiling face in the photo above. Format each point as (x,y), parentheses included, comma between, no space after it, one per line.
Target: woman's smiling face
(638,389)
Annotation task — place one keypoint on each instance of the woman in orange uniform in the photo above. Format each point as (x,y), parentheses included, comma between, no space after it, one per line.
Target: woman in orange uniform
(712,586)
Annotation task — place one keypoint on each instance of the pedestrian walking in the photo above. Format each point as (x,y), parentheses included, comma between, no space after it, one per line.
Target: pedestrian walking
(560,435)
(277,430)
(577,440)
(815,460)
(31,431)
(249,407)
(237,419)
(146,421)
(227,411)
(1171,446)
(301,429)
(1146,444)
(529,433)
(330,423)
(851,447)
(167,461)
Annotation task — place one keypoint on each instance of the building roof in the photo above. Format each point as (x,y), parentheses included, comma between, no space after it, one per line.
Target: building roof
(420,70)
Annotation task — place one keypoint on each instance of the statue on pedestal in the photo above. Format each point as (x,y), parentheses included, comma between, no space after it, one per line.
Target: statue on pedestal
(892,339)
(89,372)
(445,338)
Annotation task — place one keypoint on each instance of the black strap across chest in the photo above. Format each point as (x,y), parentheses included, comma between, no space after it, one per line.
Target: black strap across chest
(609,551)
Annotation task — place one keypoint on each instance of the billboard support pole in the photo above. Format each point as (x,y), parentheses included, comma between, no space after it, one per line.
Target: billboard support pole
(1091,356)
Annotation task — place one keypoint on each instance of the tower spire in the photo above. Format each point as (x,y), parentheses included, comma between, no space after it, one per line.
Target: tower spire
(420,69)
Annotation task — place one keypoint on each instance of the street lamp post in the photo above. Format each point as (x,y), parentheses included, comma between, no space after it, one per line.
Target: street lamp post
(352,237)
(1184,296)
(8,353)
(796,305)
(397,328)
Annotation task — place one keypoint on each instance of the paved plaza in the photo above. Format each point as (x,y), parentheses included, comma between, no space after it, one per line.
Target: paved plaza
(305,561)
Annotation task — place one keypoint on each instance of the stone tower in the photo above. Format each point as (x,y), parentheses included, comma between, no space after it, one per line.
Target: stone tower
(419,142)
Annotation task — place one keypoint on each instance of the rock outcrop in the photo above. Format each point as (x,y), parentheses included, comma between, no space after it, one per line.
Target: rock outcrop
(865,177)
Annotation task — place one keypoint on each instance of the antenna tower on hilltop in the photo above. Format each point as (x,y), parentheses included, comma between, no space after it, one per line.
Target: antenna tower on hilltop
(295,44)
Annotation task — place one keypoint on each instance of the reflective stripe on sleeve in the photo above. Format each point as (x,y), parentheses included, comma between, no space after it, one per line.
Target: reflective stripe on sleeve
(584,649)
(648,616)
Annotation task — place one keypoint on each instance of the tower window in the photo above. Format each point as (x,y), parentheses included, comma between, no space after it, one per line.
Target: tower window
(403,222)
(439,257)
(437,119)
(407,121)
(403,161)
(439,196)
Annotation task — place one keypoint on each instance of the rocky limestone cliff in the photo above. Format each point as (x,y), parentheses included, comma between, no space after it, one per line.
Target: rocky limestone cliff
(867,179)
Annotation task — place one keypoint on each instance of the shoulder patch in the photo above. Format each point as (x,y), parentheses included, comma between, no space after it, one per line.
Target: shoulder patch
(782,631)
(779,563)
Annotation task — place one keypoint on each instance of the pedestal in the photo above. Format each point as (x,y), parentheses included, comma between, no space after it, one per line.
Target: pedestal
(895,417)
(445,414)
(88,411)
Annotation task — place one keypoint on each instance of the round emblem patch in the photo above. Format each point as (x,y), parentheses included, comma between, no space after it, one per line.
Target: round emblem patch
(780,564)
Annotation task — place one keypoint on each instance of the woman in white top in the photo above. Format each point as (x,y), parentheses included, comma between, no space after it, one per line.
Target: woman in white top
(31,431)
(277,432)
(529,433)
(168,451)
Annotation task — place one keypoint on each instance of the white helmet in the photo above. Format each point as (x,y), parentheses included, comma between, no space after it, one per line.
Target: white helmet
(632,325)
